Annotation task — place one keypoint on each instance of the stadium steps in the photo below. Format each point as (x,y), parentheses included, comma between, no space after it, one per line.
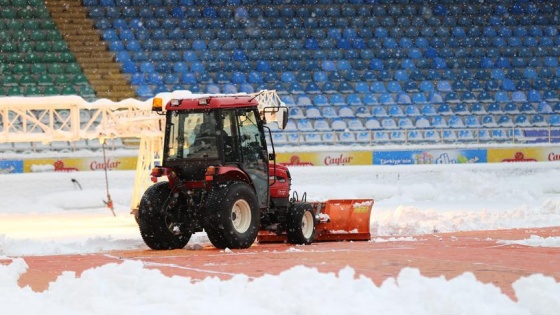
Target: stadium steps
(97,62)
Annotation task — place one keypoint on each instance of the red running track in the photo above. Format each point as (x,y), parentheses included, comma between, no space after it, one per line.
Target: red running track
(435,255)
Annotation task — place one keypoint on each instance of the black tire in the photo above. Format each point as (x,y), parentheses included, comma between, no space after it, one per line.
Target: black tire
(232,216)
(301,224)
(155,222)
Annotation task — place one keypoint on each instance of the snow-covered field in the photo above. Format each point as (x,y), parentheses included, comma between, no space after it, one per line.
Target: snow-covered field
(48,213)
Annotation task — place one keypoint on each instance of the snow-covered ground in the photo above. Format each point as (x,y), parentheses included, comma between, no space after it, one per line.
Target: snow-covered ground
(48,213)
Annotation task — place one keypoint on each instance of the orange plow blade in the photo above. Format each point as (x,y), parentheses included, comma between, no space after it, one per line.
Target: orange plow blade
(338,220)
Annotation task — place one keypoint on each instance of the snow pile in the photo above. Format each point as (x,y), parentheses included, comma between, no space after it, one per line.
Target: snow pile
(535,240)
(129,288)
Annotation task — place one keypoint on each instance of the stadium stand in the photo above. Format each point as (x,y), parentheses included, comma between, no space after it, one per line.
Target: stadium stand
(34,56)
(455,64)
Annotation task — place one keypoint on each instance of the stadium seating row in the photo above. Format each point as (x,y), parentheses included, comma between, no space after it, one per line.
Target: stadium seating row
(336,123)
(404,136)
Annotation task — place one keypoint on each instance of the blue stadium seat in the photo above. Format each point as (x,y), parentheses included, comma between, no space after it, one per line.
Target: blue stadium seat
(494,108)
(410,86)
(329,88)
(518,97)
(522,121)
(137,79)
(428,110)
(485,97)
(456,122)
(362,87)
(501,96)
(372,123)
(312,88)
(461,109)
(329,112)
(313,138)
(444,86)
(534,96)
(432,136)
(363,137)
(538,120)
(303,100)
(550,96)
(438,122)
(337,100)
(189,78)
(386,99)
(478,109)
(304,125)
(398,136)
(394,87)
(414,136)
(449,136)
(171,79)
(472,121)
(499,135)
(354,100)
(465,135)
(443,109)
(423,122)
(380,136)
(338,124)
(511,108)
(396,111)
(144,91)
(130,67)
(420,98)
(403,98)
(345,88)
(452,98)
(378,87)
(379,112)
(321,125)
(212,88)
(279,138)
(355,124)
(488,121)
(370,100)
(405,123)
(505,121)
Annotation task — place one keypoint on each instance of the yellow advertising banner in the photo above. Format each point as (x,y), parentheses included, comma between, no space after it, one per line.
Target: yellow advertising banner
(506,155)
(325,158)
(78,164)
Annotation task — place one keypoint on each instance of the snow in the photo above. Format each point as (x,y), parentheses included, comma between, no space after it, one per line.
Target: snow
(48,213)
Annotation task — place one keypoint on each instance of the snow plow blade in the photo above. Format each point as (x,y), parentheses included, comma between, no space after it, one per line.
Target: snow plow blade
(337,220)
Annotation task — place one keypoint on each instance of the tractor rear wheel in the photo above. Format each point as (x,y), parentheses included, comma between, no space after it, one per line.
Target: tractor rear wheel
(301,224)
(232,216)
(158,226)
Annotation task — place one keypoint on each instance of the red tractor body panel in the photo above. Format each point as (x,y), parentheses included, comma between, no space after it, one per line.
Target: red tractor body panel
(280,181)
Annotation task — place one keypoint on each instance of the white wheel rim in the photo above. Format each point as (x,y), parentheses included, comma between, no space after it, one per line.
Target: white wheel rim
(307,224)
(241,216)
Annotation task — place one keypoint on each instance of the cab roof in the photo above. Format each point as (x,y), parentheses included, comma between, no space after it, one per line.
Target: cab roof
(212,102)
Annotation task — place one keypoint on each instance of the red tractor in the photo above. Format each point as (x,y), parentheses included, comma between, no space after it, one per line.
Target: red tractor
(222,177)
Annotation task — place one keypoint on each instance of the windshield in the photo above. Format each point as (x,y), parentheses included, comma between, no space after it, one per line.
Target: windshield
(192,135)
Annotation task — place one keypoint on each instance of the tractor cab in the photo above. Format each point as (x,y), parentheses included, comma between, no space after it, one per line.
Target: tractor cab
(222,134)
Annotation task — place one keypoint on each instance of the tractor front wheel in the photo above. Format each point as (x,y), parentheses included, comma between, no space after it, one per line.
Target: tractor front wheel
(301,224)
(157,219)
(232,216)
